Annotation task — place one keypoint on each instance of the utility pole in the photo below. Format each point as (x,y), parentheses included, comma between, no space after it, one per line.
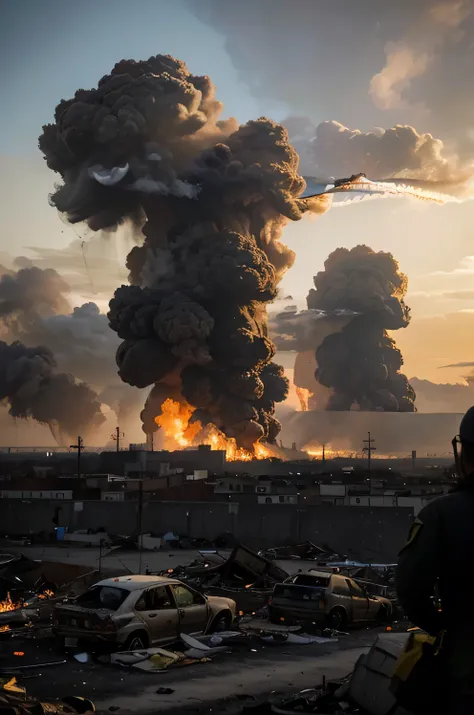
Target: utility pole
(323,457)
(116,437)
(369,449)
(79,446)
(139,524)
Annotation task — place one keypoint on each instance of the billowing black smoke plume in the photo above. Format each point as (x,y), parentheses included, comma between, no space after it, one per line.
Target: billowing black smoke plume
(32,293)
(143,144)
(34,309)
(31,385)
(360,363)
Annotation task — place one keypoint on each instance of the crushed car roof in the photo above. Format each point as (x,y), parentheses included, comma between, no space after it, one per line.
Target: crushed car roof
(134,583)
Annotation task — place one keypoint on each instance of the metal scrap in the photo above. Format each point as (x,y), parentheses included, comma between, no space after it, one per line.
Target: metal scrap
(246,577)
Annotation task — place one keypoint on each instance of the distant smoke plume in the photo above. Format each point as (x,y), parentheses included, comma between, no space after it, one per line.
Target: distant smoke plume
(34,309)
(360,363)
(31,385)
(303,332)
(32,293)
(194,321)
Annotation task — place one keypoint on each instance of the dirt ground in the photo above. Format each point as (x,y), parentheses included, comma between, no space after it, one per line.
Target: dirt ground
(224,682)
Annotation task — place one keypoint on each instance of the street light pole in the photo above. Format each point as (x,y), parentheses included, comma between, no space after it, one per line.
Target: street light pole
(139,525)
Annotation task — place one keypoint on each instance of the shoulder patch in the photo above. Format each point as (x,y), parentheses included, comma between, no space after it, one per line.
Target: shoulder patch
(415,529)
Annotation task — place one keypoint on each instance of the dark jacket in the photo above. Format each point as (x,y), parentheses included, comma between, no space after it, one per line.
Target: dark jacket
(440,549)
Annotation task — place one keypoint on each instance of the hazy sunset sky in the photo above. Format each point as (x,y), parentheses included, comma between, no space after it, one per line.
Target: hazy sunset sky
(274,58)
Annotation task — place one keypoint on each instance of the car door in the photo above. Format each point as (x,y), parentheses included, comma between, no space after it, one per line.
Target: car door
(360,602)
(193,611)
(156,608)
(338,595)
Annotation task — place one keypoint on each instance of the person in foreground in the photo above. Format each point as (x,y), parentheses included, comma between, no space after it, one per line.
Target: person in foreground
(440,553)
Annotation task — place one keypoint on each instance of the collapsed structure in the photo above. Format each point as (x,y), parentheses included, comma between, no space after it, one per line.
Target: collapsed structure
(147,145)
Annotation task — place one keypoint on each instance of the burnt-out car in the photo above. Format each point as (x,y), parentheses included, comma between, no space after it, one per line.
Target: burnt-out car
(136,612)
(325,598)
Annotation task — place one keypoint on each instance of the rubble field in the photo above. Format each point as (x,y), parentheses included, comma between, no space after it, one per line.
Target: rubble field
(256,666)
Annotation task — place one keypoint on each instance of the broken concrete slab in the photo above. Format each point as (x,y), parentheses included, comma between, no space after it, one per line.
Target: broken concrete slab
(200,648)
(370,682)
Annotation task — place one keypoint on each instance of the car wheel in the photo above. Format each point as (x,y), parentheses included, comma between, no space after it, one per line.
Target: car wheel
(137,641)
(222,622)
(337,619)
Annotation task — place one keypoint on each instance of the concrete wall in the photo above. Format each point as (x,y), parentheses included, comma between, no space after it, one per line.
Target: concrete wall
(357,531)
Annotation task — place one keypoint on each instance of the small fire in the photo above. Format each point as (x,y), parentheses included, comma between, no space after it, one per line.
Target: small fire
(327,451)
(179,431)
(9,605)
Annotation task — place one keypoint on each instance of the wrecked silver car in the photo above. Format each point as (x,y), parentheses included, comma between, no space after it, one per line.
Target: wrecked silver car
(136,612)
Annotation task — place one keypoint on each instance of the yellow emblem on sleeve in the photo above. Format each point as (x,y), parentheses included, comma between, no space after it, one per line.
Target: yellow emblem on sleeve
(414,531)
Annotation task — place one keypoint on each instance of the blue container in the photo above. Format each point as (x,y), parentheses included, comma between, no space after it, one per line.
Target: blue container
(60,531)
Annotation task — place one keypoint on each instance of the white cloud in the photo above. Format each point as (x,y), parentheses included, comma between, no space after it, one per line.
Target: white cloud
(466,268)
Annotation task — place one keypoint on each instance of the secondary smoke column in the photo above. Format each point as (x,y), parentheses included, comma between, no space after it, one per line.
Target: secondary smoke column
(361,363)
(33,388)
(194,321)
(29,379)
(34,309)
(302,333)
(32,293)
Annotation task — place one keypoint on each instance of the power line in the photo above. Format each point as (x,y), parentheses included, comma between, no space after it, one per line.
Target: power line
(116,437)
(79,446)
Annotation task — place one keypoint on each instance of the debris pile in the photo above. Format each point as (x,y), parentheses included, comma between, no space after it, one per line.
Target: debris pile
(365,691)
(305,550)
(188,651)
(30,589)
(14,700)
(246,577)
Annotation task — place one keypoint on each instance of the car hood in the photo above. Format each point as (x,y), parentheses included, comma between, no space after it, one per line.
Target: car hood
(218,603)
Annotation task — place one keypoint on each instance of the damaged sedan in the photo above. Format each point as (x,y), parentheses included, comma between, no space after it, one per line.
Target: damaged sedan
(136,612)
(326,598)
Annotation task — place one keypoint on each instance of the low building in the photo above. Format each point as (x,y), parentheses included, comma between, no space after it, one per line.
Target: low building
(256,489)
